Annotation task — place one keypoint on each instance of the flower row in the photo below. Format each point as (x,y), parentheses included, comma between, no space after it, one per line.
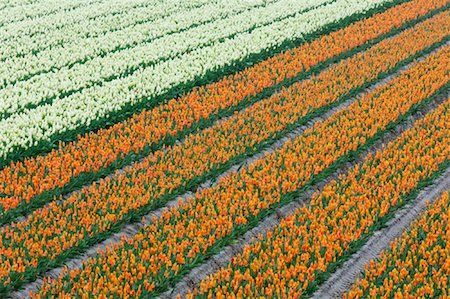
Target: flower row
(99,104)
(87,13)
(94,153)
(182,236)
(417,264)
(8,4)
(29,55)
(99,70)
(22,12)
(68,58)
(295,256)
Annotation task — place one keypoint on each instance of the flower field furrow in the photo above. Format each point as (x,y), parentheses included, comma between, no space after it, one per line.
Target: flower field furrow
(74,163)
(292,259)
(98,105)
(224,24)
(290,107)
(183,236)
(416,265)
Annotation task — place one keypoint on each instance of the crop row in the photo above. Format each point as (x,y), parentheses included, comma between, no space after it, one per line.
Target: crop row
(26,185)
(417,264)
(293,258)
(96,106)
(85,53)
(223,24)
(184,235)
(8,4)
(89,14)
(29,11)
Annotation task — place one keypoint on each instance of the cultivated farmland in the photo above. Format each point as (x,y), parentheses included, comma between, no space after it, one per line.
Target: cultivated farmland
(224,149)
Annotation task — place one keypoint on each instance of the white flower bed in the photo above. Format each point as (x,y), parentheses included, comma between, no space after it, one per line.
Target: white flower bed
(92,21)
(34,91)
(27,10)
(86,10)
(27,129)
(59,56)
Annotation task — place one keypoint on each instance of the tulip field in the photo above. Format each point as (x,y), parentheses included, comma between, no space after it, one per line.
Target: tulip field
(225,149)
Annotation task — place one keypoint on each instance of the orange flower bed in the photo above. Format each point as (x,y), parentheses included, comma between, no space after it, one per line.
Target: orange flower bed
(417,265)
(93,154)
(183,236)
(289,260)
